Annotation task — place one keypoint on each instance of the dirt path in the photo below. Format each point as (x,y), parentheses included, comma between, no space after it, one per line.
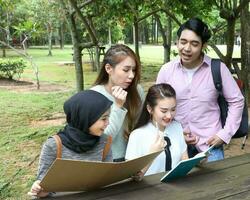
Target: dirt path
(234,147)
(27,86)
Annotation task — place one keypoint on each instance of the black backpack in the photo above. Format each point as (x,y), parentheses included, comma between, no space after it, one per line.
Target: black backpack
(243,129)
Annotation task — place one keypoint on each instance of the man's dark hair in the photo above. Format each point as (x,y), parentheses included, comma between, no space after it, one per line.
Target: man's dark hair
(198,26)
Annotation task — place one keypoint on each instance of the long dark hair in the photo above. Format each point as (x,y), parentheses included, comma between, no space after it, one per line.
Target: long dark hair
(155,93)
(198,26)
(114,56)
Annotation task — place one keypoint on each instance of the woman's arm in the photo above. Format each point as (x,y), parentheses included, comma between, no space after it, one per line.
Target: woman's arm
(47,157)
(116,120)
(158,145)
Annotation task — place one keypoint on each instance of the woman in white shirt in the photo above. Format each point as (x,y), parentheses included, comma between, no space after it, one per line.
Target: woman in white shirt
(156,124)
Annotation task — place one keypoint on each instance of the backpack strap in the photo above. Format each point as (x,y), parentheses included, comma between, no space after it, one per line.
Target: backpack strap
(106,148)
(59,146)
(215,68)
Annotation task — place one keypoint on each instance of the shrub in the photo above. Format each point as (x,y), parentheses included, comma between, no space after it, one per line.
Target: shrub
(11,68)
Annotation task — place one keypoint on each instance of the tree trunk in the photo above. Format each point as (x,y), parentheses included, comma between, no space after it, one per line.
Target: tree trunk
(49,28)
(156,32)
(91,58)
(61,35)
(169,40)
(166,37)
(8,36)
(136,37)
(245,49)
(4,52)
(230,41)
(163,35)
(77,54)
(97,58)
(146,35)
(152,30)
(110,37)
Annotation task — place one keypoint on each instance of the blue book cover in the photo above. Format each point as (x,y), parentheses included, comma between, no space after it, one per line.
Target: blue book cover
(185,166)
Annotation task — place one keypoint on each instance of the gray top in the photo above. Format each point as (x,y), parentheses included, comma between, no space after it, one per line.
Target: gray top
(116,122)
(49,150)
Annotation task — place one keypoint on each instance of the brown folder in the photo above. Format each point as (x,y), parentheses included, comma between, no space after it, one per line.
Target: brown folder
(75,175)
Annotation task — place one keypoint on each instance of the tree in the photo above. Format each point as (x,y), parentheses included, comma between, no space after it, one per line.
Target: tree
(128,13)
(11,30)
(229,11)
(166,34)
(7,19)
(45,13)
(245,48)
(76,15)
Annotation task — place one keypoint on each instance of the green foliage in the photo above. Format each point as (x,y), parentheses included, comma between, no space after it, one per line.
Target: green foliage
(10,68)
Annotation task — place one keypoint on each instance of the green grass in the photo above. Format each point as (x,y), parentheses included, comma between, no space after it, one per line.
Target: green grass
(20,138)
(20,142)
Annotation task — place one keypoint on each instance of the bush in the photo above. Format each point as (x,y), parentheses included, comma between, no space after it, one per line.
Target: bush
(11,68)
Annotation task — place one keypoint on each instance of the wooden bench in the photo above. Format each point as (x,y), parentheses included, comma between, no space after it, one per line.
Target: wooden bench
(101,50)
(227,179)
(236,68)
(69,63)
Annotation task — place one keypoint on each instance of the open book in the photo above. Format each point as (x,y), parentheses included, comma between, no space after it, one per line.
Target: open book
(185,166)
(76,175)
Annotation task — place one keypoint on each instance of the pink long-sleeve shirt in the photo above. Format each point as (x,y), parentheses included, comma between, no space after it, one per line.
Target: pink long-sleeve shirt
(197,107)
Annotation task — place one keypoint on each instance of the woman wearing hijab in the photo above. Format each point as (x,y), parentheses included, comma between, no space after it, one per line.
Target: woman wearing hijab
(87,115)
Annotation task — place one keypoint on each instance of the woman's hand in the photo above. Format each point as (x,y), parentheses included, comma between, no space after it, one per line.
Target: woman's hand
(37,190)
(158,144)
(138,176)
(120,95)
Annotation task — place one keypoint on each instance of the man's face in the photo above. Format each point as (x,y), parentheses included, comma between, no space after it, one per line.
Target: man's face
(190,48)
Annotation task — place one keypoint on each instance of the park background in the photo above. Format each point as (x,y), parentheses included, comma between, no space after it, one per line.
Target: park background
(61,44)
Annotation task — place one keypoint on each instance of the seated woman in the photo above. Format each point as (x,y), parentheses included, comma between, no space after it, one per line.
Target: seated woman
(87,115)
(157,128)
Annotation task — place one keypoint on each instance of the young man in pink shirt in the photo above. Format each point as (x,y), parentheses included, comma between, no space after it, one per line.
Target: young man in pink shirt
(197,108)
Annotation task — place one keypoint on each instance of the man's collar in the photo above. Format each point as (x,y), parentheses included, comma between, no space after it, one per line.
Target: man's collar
(205,61)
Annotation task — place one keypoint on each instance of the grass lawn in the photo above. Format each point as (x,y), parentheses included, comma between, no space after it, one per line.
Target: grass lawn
(22,134)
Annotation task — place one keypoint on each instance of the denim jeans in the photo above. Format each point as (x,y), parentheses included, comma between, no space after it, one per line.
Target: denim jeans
(216,154)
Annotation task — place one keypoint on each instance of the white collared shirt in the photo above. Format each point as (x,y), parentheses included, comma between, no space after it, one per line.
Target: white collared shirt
(142,138)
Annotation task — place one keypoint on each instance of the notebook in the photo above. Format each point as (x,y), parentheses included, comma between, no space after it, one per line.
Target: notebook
(184,166)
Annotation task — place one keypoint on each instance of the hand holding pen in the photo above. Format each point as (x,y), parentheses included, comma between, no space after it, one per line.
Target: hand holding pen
(159,142)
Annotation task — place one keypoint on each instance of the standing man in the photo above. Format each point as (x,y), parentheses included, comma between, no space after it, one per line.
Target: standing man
(197,107)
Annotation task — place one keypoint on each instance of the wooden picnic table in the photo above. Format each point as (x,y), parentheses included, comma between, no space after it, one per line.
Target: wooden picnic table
(225,180)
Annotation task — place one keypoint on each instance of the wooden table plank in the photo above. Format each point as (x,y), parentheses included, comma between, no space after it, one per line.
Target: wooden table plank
(227,179)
